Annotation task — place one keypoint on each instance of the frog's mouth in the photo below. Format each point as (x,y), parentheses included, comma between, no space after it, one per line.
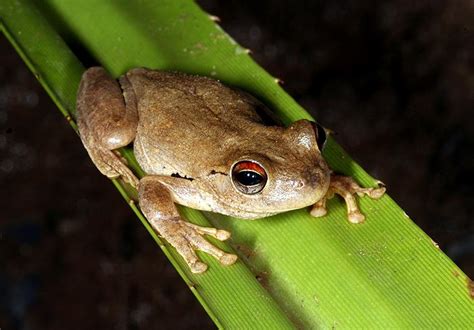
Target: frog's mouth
(230,210)
(254,216)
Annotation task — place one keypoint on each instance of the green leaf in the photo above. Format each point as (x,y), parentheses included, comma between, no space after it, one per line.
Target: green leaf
(295,270)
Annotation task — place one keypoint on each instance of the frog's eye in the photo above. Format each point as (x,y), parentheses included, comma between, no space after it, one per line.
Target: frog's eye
(321,135)
(248,177)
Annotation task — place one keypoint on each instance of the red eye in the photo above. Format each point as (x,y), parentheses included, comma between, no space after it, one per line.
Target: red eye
(249,177)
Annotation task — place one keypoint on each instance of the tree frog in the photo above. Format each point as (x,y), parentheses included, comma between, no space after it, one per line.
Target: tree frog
(206,146)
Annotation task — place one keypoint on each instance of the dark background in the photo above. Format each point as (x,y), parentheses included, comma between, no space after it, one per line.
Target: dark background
(395,79)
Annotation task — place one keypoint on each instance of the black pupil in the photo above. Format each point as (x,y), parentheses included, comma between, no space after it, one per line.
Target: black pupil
(249,178)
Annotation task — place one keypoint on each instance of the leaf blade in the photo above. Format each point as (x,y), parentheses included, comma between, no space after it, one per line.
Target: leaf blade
(318,272)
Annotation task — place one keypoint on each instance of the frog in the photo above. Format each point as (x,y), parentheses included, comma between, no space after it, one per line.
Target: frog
(207,146)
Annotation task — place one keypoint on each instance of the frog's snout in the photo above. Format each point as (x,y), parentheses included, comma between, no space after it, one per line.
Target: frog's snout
(314,178)
(316,182)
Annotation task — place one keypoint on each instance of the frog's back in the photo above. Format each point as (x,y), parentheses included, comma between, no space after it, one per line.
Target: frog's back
(186,121)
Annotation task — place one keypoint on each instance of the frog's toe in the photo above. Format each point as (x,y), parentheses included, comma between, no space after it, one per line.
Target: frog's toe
(220,234)
(376,193)
(228,259)
(348,184)
(355,217)
(200,243)
(180,242)
(319,209)
(318,212)
(198,267)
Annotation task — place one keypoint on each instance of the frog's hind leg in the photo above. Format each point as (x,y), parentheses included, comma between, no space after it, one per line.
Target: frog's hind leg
(157,204)
(107,119)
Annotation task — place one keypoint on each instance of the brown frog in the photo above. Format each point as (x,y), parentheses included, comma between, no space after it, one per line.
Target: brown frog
(205,145)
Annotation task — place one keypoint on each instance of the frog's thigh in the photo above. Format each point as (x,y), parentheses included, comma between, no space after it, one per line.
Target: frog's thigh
(107,119)
(156,203)
(105,111)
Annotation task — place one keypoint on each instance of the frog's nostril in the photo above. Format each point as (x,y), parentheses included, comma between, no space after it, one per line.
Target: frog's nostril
(314,179)
(298,184)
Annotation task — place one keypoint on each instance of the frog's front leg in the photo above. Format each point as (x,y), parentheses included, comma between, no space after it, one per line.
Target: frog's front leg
(346,187)
(157,203)
(107,119)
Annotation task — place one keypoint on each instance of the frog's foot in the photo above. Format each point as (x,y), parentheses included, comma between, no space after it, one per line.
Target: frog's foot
(346,187)
(157,203)
(319,209)
(186,237)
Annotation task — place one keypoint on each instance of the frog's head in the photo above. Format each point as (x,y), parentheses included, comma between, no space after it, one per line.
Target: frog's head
(279,170)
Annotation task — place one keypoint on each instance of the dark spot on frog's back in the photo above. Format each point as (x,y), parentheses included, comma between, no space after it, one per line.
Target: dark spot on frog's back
(177,175)
(214,172)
